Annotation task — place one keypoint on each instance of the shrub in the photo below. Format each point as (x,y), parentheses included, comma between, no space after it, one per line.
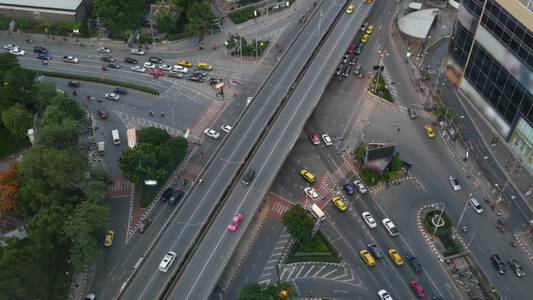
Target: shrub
(243,15)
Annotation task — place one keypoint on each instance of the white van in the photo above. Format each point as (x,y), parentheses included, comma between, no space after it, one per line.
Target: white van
(116,137)
(101,148)
(476,205)
(167,261)
(317,212)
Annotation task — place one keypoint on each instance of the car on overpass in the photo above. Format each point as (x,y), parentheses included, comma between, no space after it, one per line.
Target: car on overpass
(350,9)
(234,223)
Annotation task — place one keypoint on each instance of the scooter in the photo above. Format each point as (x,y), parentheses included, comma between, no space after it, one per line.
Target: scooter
(100,100)
(28,40)
(104,69)
(151,113)
(513,244)
(75,93)
(90,98)
(464,229)
(45,62)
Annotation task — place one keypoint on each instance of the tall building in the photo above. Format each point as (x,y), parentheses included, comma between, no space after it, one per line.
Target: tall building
(492,51)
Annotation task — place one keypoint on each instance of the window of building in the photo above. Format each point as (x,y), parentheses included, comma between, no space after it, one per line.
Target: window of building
(519,32)
(500,82)
(528,39)
(510,113)
(489,23)
(511,24)
(502,17)
(515,46)
(498,31)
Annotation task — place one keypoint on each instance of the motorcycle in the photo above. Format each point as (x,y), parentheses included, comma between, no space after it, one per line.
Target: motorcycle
(499,225)
(28,41)
(104,69)
(82,44)
(100,100)
(75,93)
(151,113)
(45,62)
(90,98)
(464,229)
(513,244)
(214,47)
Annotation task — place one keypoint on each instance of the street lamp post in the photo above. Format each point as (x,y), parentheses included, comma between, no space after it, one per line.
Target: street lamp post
(462,214)
(440,219)
(381,54)
(256,52)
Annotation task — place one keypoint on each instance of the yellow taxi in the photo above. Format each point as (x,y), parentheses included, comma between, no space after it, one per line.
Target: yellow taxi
(369,29)
(350,9)
(369,260)
(184,63)
(109,238)
(365,38)
(339,203)
(308,176)
(429,131)
(367,1)
(205,66)
(396,257)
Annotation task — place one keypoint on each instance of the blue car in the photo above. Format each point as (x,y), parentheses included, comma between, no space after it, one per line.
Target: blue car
(348,188)
(120,91)
(44,56)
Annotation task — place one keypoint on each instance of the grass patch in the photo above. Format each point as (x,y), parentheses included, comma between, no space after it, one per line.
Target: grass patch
(149,193)
(98,79)
(319,250)
(243,15)
(381,90)
(9,144)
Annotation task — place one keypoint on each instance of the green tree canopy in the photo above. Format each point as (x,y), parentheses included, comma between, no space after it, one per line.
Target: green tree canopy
(58,136)
(153,135)
(120,15)
(15,82)
(277,291)
(298,224)
(145,162)
(200,20)
(360,152)
(17,120)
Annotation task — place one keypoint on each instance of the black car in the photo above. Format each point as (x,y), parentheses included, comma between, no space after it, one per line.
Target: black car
(113,65)
(516,267)
(353,60)
(130,60)
(199,73)
(107,58)
(40,50)
(155,60)
(375,250)
(195,78)
(359,48)
(356,70)
(417,266)
(339,69)
(248,177)
(346,72)
(74,83)
(498,263)
(176,196)
(120,91)
(411,112)
(144,225)
(102,113)
(166,195)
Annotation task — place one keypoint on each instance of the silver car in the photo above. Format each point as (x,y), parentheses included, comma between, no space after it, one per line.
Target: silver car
(455,183)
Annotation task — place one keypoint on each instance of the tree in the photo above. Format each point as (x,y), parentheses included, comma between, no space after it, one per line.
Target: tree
(255,291)
(164,21)
(17,120)
(145,161)
(360,152)
(22,24)
(58,136)
(119,15)
(200,20)
(153,135)
(298,224)
(15,81)
(178,147)
(8,188)
(86,220)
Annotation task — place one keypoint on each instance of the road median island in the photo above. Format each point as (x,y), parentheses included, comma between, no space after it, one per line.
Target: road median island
(320,250)
(99,80)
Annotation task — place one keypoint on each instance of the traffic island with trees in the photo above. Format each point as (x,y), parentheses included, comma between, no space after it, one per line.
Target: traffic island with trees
(307,247)
(54,190)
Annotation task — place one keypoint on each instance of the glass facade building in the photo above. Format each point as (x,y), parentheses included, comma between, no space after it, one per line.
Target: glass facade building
(492,49)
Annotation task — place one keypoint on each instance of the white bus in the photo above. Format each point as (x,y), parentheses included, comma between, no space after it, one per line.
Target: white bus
(317,213)
(132,138)
(116,137)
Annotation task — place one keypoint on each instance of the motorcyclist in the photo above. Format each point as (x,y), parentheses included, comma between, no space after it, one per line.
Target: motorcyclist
(89,97)
(75,93)
(151,113)
(45,62)
(464,229)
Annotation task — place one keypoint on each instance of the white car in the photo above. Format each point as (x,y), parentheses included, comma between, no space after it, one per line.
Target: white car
(112,96)
(180,69)
(369,220)
(226,128)
(165,67)
(136,68)
(360,186)
(249,100)
(17,51)
(383,295)
(327,140)
(455,183)
(10,46)
(137,51)
(149,65)
(90,297)
(167,261)
(211,133)
(309,191)
(103,49)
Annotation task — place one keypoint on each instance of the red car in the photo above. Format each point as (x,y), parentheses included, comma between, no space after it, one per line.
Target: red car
(157,72)
(314,138)
(419,290)
(235,222)
(350,49)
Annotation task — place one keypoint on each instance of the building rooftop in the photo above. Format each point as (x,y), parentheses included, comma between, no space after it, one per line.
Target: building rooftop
(417,24)
(60,5)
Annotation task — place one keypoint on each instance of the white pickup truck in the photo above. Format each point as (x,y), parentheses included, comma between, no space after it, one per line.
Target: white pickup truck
(390,227)
(70,59)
